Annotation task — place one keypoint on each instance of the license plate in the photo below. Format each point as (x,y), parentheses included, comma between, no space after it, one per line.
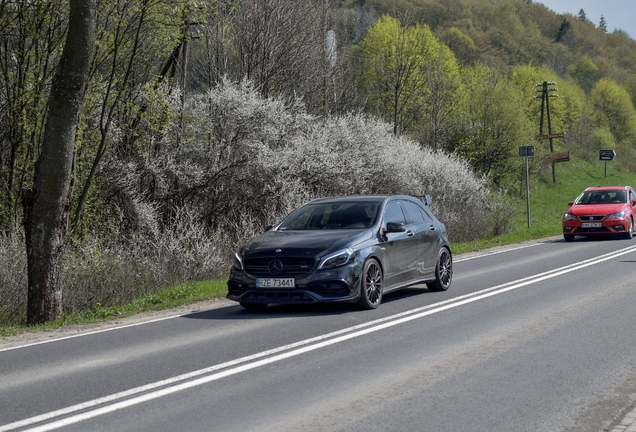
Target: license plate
(590,224)
(275,283)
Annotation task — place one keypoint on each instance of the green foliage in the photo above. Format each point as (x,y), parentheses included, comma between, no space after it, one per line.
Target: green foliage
(461,44)
(584,71)
(630,86)
(32,39)
(614,110)
(396,59)
(496,125)
(413,81)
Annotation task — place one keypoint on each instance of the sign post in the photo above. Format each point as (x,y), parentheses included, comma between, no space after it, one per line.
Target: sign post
(527,151)
(606,155)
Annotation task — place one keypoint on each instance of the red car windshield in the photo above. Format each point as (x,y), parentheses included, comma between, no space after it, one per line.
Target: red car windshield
(602,197)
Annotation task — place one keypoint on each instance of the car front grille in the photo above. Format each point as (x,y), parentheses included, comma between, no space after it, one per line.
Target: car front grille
(587,218)
(267,297)
(260,267)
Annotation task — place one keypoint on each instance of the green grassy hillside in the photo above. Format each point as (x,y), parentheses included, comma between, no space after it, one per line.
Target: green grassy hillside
(549,200)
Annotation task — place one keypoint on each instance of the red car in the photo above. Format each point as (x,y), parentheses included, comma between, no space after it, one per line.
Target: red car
(607,210)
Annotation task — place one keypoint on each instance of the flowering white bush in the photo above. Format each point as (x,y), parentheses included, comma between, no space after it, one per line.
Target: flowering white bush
(244,162)
(354,155)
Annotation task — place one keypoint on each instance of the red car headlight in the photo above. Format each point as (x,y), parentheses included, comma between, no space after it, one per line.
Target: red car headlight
(617,215)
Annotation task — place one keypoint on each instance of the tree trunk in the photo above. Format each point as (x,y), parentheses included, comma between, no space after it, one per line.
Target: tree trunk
(46,206)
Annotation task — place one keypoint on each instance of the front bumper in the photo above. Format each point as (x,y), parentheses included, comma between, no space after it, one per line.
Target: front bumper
(336,285)
(608,227)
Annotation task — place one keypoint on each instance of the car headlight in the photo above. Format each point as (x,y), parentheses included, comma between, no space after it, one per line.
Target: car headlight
(336,259)
(617,215)
(238,262)
(568,216)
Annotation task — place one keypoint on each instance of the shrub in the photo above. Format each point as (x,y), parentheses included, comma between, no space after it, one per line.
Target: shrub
(13,277)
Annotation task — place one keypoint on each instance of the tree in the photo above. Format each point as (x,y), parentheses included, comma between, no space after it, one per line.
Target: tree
(496,125)
(442,98)
(463,46)
(280,45)
(630,86)
(129,46)
(396,57)
(32,34)
(582,16)
(615,110)
(585,71)
(602,24)
(46,206)
(565,33)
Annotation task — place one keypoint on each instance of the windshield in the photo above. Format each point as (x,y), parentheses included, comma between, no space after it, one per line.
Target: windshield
(356,215)
(602,197)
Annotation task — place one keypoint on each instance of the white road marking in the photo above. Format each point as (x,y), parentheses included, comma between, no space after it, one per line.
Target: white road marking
(478,255)
(498,251)
(179,383)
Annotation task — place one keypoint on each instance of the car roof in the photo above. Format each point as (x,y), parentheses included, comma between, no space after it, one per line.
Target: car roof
(361,198)
(603,188)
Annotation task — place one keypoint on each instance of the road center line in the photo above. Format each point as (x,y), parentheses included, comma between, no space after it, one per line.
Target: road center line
(179,383)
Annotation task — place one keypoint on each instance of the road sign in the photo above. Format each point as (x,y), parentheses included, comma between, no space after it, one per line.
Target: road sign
(560,157)
(606,155)
(550,136)
(526,151)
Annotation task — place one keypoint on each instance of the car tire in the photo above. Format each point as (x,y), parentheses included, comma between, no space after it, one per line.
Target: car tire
(443,271)
(253,306)
(630,230)
(371,285)
(568,237)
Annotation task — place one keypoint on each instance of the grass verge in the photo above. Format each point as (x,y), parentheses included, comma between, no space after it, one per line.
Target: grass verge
(168,298)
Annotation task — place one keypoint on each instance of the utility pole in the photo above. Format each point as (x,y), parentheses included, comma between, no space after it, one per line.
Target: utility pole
(545,88)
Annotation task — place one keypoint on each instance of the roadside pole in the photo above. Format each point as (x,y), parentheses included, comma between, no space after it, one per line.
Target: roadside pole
(527,151)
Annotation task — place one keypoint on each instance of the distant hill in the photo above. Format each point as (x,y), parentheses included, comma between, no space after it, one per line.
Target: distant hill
(505,33)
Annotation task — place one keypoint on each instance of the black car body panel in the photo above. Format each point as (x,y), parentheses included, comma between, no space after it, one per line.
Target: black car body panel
(321,249)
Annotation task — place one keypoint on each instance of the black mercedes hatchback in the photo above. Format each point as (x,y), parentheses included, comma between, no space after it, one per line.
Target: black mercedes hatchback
(349,249)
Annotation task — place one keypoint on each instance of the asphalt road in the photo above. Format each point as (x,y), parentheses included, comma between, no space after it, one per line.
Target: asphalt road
(534,337)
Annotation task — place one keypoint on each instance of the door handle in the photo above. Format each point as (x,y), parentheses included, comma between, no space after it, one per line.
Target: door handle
(410,233)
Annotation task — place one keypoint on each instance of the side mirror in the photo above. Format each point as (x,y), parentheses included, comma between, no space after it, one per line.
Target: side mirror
(393,227)
(570,203)
(634,202)
(269,227)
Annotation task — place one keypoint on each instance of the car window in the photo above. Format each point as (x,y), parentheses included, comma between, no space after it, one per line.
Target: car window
(393,213)
(617,196)
(602,197)
(413,213)
(347,215)
(299,220)
(426,214)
